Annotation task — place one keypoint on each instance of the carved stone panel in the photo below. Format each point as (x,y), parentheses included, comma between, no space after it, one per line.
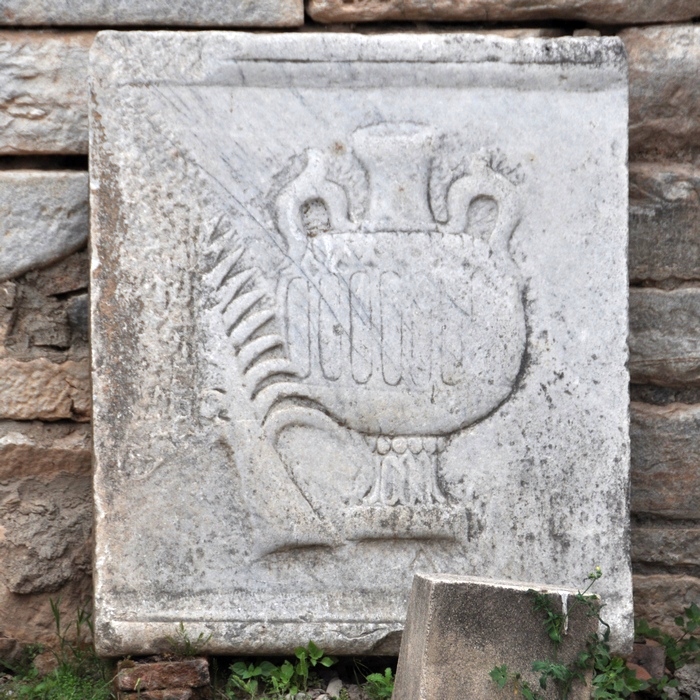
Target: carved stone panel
(359,310)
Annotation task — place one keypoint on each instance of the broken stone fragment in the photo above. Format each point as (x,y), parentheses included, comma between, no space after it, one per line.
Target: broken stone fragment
(651,656)
(188,673)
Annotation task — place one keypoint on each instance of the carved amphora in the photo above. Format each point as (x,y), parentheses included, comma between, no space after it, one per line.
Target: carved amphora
(400,326)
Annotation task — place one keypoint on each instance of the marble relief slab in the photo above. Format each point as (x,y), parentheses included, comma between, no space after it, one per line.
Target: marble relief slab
(359,310)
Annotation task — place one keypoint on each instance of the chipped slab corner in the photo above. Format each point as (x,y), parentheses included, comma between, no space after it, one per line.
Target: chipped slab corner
(341,336)
(485,624)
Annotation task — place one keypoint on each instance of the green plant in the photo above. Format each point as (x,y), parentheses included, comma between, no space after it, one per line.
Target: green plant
(562,676)
(181,644)
(80,674)
(681,650)
(611,679)
(64,683)
(22,664)
(289,678)
(380,685)
(309,657)
(245,677)
(501,676)
(282,680)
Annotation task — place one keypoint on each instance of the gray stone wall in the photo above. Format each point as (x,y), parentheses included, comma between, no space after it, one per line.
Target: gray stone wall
(45,485)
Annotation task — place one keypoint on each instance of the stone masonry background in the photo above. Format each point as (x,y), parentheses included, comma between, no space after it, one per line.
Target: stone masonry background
(45,458)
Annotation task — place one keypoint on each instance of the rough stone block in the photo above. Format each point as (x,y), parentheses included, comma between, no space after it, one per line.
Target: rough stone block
(664,395)
(660,598)
(602,11)
(33,449)
(664,91)
(43,218)
(27,618)
(666,545)
(189,673)
(47,310)
(665,336)
(665,457)
(46,528)
(459,629)
(45,505)
(385,337)
(664,222)
(43,93)
(43,390)
(177,13)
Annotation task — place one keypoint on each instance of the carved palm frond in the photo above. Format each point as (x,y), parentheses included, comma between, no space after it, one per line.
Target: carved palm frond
(244,302)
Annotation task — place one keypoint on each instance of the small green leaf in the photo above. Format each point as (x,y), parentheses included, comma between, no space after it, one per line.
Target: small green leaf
(239,668)
(314,652)
(500,675)
(267,669)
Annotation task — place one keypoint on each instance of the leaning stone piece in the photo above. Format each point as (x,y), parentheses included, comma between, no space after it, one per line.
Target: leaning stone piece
(43,218)
(601,11)
(665,336)
(362,341)
(163,680)
(664,91)
(458,629)
(665,458)
(171,13)
(43,92)
(664,222)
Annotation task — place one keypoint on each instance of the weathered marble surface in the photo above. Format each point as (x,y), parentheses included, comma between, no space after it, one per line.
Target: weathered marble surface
(340,335)
(172,13)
